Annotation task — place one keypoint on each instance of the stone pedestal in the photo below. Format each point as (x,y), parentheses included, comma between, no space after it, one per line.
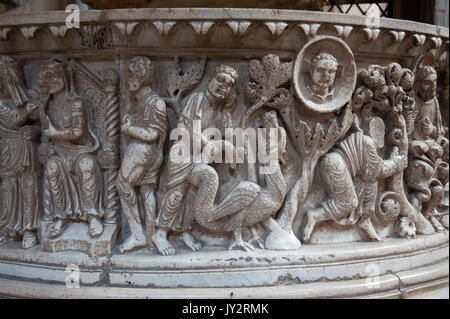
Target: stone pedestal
(76,238)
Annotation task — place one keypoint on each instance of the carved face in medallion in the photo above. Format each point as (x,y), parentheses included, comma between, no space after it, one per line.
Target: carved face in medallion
(323,72)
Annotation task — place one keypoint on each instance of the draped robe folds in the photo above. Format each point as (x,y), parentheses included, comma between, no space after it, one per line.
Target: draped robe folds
(20,208)
(428,111)
(350,173)
(63,165)
(172,214)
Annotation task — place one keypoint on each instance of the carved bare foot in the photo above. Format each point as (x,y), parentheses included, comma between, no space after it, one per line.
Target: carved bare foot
(190,241)
(436,224)
(366,225)
(240,244)
(132,242)
(95,226)
(29,239)
(256,239)
(311,221)
(159,238)
(58,227)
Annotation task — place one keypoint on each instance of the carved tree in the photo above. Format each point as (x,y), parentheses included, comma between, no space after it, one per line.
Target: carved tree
(268,75)
(389,90)
(311,146)
(180,83)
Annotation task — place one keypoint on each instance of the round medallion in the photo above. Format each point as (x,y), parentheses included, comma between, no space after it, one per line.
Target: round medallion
(324,74)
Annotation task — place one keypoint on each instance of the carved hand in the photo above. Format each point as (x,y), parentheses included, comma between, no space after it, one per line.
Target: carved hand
(51,131)
(427,127)
(31,106)
(401,161)
(127,124)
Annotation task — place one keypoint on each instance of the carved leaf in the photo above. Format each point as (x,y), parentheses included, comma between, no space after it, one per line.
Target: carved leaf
(4,33)
(58,31)
(238,27)
(331,133)
(164,27)
(256,71)
(201,27)
(310,30)
(29,32)
(178,84)
(174,78)
(269,75)
(343,31)
(276,28)
(193,76)
(126,28)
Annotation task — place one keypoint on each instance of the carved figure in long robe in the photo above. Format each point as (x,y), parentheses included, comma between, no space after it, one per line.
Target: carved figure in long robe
(350,175)
(72,168)
(20,208)
(206,108)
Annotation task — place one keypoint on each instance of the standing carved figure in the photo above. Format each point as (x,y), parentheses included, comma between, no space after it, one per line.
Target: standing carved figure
(72,169)
(147,128)
(20,208)
(206,108)
(350,176)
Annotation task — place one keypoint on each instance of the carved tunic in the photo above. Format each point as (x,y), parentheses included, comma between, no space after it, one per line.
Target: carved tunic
(150,112)
(350,177)
(172,215)
(79,143)
(428,111)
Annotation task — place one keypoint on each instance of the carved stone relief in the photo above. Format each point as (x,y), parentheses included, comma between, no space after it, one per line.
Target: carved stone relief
(89,144)
(324,74)
(20,200)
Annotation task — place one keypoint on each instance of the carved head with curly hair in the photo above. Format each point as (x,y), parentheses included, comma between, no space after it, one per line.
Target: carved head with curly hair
(323,70)
(222,81)
(141,72)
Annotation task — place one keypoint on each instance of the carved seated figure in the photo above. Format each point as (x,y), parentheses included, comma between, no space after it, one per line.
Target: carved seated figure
(144,155)
(323,74)
(350,175)
(73,173)
(204,108)
(429,120)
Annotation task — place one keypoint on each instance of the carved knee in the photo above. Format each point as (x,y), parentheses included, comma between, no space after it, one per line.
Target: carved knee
(353,202)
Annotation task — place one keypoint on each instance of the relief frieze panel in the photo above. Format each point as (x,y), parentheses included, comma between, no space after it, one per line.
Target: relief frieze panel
(121,143)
